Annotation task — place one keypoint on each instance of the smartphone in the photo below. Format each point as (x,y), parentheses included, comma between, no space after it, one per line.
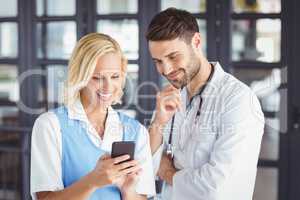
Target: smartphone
(123,148)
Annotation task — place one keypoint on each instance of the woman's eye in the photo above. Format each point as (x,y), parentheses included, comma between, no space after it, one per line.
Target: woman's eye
(115,77)
(97,78)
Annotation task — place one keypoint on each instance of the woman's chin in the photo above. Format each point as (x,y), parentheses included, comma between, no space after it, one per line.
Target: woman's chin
(104,102)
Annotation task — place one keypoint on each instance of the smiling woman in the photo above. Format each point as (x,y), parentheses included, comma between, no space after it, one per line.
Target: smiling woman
(71,145)
(103,59)
(106,82)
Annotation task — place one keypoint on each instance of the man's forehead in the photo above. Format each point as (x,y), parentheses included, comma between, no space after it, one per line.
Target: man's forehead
(165,48)
(164,43)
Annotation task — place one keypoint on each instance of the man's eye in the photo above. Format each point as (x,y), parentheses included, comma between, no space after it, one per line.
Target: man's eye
(172,57)
(157,61)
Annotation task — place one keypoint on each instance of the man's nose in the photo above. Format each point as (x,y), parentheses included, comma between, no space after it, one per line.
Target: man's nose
(167,68)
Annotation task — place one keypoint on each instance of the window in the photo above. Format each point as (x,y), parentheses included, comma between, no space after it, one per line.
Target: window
(9,100)
(56,36)
(256,29)
(119,20)
(38,36)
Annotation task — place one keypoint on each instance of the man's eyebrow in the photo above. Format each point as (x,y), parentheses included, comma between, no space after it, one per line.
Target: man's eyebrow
(171,54)
(168,55)
(156,59)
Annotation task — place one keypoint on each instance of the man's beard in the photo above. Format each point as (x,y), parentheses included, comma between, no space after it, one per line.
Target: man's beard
(194,68)
(179,83)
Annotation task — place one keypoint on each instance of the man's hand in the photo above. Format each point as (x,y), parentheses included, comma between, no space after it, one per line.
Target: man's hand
(168,101)
(166,169)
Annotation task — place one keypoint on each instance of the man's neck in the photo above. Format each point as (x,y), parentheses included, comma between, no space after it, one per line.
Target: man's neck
(200,79)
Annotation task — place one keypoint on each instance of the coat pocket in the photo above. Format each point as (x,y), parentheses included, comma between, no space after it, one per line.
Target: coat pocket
(203,145)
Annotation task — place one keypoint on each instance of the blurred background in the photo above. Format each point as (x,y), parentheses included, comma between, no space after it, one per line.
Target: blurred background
(255,40)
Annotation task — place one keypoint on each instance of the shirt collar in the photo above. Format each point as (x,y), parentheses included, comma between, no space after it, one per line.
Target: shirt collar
(113,127)
(214,83)
(77,112)
(217,77)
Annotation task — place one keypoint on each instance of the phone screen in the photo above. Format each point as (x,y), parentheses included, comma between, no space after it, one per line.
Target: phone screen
(123,148)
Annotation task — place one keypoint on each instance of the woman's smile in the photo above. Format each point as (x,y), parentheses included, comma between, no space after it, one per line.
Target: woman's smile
(104,96)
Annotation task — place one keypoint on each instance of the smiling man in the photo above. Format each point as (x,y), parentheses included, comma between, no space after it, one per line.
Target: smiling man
(207,128)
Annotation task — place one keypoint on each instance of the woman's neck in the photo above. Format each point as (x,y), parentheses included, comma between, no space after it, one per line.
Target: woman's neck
(96,115)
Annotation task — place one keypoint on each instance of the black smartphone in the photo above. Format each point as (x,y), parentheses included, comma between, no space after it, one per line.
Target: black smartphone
(123,148)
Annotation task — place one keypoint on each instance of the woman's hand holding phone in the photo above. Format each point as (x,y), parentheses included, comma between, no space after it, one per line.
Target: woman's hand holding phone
(110,171)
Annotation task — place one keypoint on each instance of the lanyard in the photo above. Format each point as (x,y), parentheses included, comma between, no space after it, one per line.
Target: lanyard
(169,146)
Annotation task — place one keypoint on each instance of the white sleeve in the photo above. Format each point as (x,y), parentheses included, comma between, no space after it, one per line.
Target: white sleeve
(156,156)
(146,184)
(46,170)
(242,124)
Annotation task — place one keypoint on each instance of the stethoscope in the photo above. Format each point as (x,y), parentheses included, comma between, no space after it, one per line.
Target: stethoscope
(170,145)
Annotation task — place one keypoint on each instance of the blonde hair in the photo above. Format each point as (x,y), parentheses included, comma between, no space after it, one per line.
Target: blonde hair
(83,62)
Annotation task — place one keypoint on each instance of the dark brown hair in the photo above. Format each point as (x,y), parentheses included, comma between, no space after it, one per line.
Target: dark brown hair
(172,23)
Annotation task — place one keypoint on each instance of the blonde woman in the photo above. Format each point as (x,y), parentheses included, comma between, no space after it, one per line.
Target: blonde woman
(71,144)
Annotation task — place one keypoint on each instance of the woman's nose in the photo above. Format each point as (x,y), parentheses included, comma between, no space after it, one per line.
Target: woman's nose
(105,84)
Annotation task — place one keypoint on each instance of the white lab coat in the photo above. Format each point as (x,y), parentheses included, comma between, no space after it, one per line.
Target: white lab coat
(217,153)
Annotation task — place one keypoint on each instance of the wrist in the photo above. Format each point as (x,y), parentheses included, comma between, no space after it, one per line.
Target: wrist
(169,176)
(94,180)
(157,124)
(126,194)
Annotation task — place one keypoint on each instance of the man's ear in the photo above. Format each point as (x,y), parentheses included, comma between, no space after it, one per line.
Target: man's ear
(196,41)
